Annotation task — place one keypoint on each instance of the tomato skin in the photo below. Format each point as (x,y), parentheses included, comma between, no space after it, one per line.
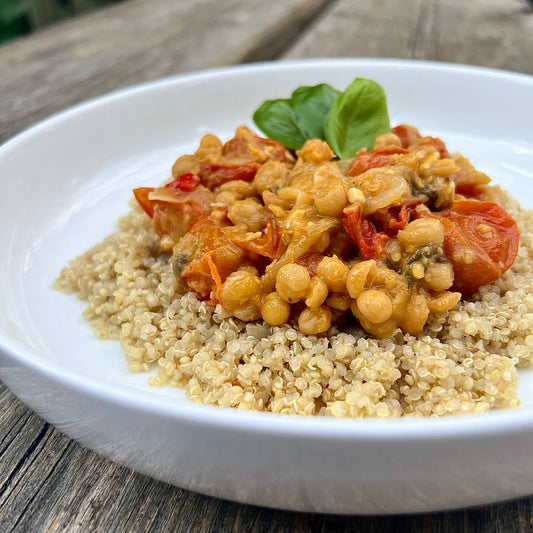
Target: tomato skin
(364,233)
(469,190)
(365,161)
(173,211)
(239,146)
(407,134)
(269,245)
(310,261)
(142,196)
(375,159)
(436,143)
(215,257)
(410,136)
(186,182)
(481,240)
(396,217)
(175,220)
(214,176)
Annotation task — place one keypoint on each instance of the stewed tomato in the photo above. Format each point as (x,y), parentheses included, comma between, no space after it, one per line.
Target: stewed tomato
(377,158)
(481,240)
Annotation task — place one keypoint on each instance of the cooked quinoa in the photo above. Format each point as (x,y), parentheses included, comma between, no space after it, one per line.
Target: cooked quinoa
(465,361)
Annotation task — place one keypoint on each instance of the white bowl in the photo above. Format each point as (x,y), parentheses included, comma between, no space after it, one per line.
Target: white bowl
(66,181)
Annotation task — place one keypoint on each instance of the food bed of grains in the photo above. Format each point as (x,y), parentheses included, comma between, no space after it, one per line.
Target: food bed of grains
(465,361)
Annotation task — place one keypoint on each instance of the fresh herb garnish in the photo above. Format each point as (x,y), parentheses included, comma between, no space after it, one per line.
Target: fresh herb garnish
(348,121)
(294,120)
(356,118)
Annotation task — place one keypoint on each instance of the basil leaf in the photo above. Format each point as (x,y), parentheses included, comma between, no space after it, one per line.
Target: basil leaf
(311,105)
(294,120)
(356,118)
(278,120)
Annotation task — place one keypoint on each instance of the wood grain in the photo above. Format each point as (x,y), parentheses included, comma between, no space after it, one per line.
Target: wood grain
(134,42)
(491,33)
(50,483)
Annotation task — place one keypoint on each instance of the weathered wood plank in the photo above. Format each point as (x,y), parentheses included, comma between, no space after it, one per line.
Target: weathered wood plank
(137,41)
(492,33)
(21,431)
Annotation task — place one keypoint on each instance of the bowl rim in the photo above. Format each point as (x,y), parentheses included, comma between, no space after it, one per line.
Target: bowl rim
(320,428)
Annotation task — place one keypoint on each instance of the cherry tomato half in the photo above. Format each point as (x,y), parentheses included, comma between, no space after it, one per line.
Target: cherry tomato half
(481,240)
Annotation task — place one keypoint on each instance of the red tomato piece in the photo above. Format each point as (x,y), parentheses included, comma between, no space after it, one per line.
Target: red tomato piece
(407,134)
(269,245)
(395,218)
(173,211)
(142,196)
(214,259)
(214,176)
(186,182)
(379,158)
(481,240)
(175,220)
(436,143)
(363,232)
(239,147)
(469,190)
(310,261)
(366,160)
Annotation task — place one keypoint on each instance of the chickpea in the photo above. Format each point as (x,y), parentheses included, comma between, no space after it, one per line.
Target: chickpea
(219,213)
(334,272)
(416,314)
(417,270)
(387,140)
(327,174)
(394,251)
(241,188)
(423,231)
(340,302)
(249,268)
(313,321)
(184,165)
(331,200)
(318,292)
(240,295)
(210,149)
(383,187)
(292,282)
(295,197)
(271,176)
(356,196)
(382,330)
(356,279)
(302,176)
(375,305)
(274,310)
(444,302)
(439,276)
(226,198)
(249,213)
(315,151)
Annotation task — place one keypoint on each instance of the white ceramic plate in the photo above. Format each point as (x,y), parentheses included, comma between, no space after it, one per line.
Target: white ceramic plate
(66,181)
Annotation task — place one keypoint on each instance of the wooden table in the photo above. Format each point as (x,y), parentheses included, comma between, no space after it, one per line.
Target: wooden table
(49,482)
